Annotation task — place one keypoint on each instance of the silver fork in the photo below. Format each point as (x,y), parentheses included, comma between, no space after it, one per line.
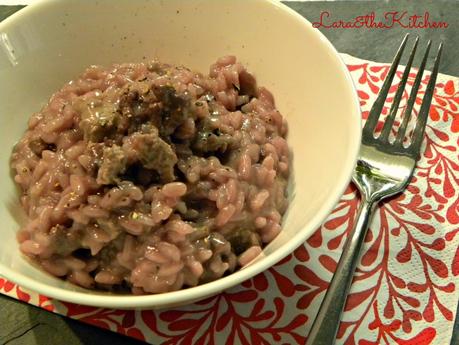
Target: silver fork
(384,168)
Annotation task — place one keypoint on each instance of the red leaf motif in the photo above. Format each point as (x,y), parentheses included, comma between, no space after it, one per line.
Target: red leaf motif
(415,287)
(357,298)
(208,300)
(7,285)
(335,223)
(450,287)
(369,236)
(149,318)
(452,214)
(439,101)
(171,315)
(301,254)
(299,321)
(308,276)
(455,123)
(43,303)
(428,312)
(335,242)
(305,301)
(343,326)
(446,312)
(413,314)
(438,169)
(247,284)
(424,337)
(77,309)
(395,231)
(285,285)
(264,316)
(370,256)
(376,323)
(128,319)
(374,78)
(260,282)
(135,333)
(350,340)
(243,296)
(448,188)
(23,296)
(411,301)
(440,135)
(438,244)
(355,67)
(389,308)
(434,115)
(455,264)
(398,282)
(362,94)
(376,68)
(315,240)
(449,88)
(280,305)
(451,234)
(412,189)
(406,323)
(405,254)
(223,321)
(424,227)
(186,340)
(438,266)
(328,262)
(99,323)
(257,307)
(373,87)
(203,340)
(395,325)
(392,89)
(284,260)
(182,324)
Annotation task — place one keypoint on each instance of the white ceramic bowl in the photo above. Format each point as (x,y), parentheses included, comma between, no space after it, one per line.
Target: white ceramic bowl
(51,42)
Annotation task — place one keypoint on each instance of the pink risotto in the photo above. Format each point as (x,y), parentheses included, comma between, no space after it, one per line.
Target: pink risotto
(150,177)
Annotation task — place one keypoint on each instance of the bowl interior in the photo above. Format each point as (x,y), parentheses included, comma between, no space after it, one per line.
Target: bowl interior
(52,42)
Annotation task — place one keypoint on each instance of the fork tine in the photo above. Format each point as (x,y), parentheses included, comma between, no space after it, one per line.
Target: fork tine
(398,95)
(418,133)
(414,91)
(376,109)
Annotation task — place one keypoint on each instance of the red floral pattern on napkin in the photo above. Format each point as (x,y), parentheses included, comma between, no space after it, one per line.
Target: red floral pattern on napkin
(405,290)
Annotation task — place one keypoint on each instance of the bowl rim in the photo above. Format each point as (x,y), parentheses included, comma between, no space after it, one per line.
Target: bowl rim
(188,295)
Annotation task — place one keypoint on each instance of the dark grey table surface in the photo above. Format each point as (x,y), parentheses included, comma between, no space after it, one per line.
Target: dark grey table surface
(22,324)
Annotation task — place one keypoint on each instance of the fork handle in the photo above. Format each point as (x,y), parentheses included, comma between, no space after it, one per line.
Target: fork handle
(326,324)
